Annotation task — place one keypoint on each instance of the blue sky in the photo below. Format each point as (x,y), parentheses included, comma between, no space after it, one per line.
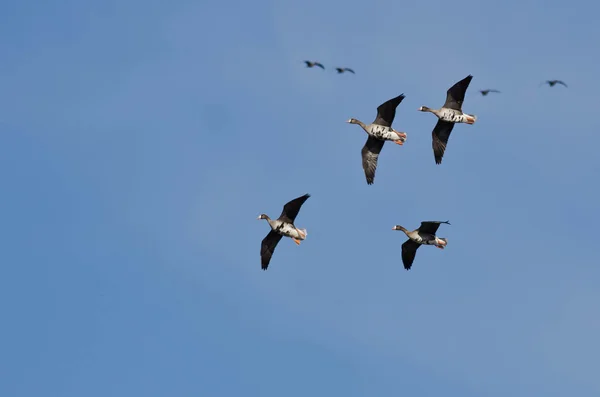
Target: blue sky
(140,141)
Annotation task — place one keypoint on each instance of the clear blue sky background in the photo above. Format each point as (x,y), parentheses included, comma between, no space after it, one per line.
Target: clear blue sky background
(141,139)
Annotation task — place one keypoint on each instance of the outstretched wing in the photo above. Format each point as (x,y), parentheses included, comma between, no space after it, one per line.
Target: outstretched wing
(440,135)
(431,227)
(409,250)
(291,209)
(370,154)
(349,70)
(456,94)
(267,247)
(320,65)
(494,91)
(387,111)
(561,82)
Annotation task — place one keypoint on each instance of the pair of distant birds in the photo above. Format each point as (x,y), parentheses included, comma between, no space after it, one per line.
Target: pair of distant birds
(284,226)
(310,64)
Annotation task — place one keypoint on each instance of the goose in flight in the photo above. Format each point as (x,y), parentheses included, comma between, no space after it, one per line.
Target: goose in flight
(379,131)
(485,92)
(450,114)
(424,235)
(342,70)
(552,83)
(310,64)
(282,226)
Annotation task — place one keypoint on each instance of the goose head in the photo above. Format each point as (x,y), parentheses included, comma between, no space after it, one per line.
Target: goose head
(263,216)
(353,121)
(402,228)
(424,109)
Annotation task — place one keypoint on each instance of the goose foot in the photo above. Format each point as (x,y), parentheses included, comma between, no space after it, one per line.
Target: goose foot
(296,241)
(399,142)
(440,247)
(470,120)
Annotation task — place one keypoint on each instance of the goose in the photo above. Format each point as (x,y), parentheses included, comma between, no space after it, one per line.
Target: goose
(282,226)
(424,235)
(448,115)
(310,64)
(379,131)
(485,92)
(552,83)
(342,70)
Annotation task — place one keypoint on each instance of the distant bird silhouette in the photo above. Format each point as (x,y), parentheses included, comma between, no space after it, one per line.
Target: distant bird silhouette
(310,64)
(342,70)
(485,92)
(552,83)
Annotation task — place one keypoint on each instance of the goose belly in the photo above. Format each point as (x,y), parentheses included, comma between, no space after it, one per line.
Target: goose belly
(426,240)
(290,231)
(382,132)
(452,116)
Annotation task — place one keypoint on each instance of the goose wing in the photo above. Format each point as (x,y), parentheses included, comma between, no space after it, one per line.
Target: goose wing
(409,250)
(267,247)
(291,209)
(456,94)
(561,82)
(370,154)
(386,112)
(349,70)
(431,227)
(440,135)
(320,65)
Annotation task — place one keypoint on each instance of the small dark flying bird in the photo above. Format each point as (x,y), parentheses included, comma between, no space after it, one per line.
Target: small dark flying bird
(424,235)
(310,64)
(342,70)
(485,92)
(552,83)
(282,226)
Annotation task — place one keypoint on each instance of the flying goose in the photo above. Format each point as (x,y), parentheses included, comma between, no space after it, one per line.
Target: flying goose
(424,235)
(342,70)
(448,115)
(552,83)
(379,131)
(485,92)
(282,226)
(310,64)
